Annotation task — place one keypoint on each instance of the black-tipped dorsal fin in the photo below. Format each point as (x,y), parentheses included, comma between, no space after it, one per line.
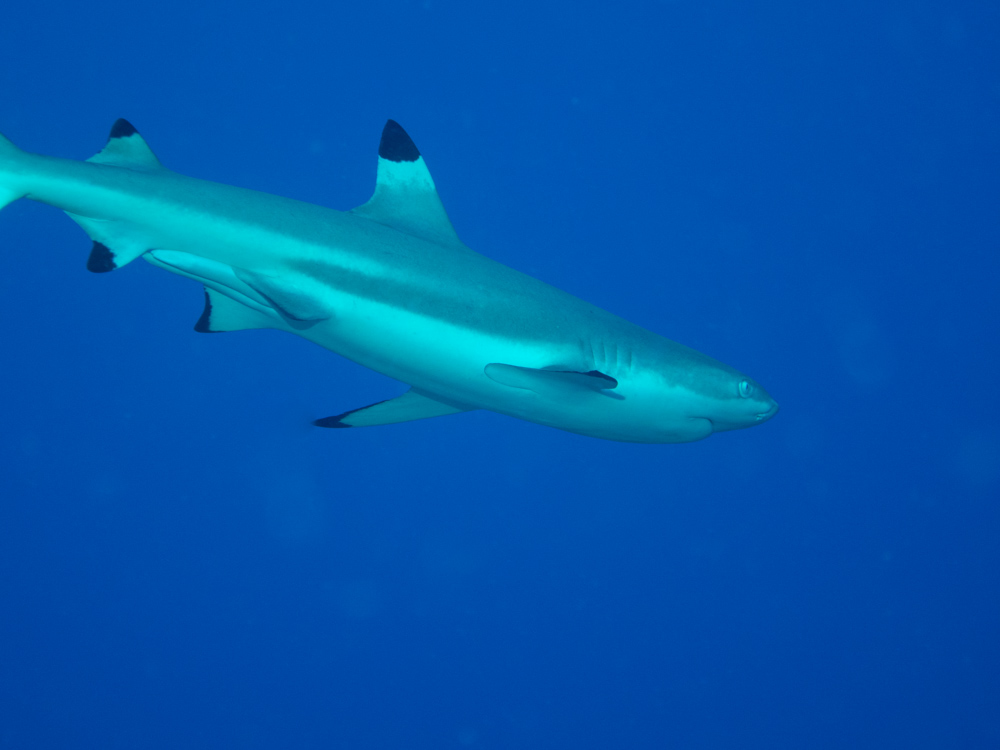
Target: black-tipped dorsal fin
(405,197)
(126,148)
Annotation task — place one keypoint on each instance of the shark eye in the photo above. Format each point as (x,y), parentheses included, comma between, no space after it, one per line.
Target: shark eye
(746,388)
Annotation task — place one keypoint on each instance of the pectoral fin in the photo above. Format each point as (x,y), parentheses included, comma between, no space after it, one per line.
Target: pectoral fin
(550,382)
(406,408)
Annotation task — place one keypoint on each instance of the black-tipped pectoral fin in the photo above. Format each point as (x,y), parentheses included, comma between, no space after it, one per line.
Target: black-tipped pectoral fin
(406,408)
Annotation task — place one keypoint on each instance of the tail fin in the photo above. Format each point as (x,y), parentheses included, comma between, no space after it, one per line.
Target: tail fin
(9,192)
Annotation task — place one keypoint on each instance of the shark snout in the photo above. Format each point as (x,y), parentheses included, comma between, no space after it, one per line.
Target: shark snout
(766,415)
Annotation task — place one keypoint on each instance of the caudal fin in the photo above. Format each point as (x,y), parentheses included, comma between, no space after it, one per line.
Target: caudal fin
(9,189)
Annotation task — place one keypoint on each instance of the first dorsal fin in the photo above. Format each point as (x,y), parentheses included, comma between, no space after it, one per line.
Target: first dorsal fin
(405,197)
(126,148)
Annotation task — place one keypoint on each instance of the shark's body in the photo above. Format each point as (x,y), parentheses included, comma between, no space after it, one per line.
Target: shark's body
(390,286)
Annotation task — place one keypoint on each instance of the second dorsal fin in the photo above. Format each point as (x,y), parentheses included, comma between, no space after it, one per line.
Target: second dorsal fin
(405,197)
(126,148)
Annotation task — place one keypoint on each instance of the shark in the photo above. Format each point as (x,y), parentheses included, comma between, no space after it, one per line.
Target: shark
(390,286)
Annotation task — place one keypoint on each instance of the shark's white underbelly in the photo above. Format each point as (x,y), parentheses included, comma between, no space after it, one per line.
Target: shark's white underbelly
(442,357)
(449,361)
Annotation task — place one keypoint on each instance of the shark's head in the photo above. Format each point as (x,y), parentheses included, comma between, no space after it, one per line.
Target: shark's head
(705,396)
(738,402)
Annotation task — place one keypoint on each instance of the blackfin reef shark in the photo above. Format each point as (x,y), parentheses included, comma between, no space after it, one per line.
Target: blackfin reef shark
(390,286)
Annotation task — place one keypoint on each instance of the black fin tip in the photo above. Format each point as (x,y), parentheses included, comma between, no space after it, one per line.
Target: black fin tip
(121,129)
(331,421)
(336,421)
(396,145)
(101,259)
(202,326)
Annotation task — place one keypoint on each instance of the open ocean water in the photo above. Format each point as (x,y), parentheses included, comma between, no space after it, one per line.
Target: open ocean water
(805,191)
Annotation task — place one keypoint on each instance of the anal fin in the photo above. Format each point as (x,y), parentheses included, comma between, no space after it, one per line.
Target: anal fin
(115,244)
(223,313)
(406,408)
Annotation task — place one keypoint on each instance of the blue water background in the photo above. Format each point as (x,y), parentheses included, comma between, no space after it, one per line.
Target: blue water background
(806,191)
